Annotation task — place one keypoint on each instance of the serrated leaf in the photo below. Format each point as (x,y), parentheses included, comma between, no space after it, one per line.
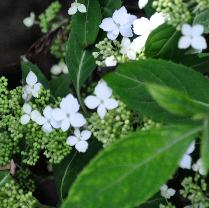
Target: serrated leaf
(85,26)
(109,6)
(27,67)
(163,42)
(178,103)
(202,19)
(128,81)
(126,174)
(205,145)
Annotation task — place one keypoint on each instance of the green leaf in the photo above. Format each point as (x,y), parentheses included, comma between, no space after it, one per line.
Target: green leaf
(128,81)
(66,172)
(163,43)
(85,26)
(205,145)
(60,85)
(177,102)
(126,174)
(109,6)
(202,19)
(149,10)
(27,67)
(4,177)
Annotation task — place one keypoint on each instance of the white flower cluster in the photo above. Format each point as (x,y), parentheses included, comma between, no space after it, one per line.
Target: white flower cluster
(166,192)
(77,7)
(128,25)
(64,117)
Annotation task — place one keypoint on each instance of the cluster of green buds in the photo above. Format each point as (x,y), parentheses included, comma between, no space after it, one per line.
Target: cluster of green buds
(195,190)
(107,48)
(202,4)
(46,19)
(116,124)
(148,123)
(169,205)
(11,195)
(176,12)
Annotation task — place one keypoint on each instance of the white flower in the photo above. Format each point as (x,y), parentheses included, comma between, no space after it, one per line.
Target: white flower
(143,27)
(127,49)
(48,122)
(198,167)
(120,23)
(29,21)
(166,192)
(29,114)
(186,162)
(68,114)
(192,36)
(79,140)
(102,99)
(142,3)
(110,61)
(32,88)
(75,7)
(59,68)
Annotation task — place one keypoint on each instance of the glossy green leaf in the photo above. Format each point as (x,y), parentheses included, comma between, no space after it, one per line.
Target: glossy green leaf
(85,26)
(163,42)
(4,177)
(109,6)
(27,67)
(205,145)
(202,19)
(60,85)
(128,81)
(178,103)
(149,10)
(126,174)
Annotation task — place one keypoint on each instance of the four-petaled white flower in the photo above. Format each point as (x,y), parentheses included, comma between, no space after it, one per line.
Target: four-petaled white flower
(48,122)
(32,88)
(186,162)
(68,114)
(127,49)
(79,140)
(166,192)
(192,36)
(77,7)
(59,68)
(29,21)
(142,3)
(143,27)
(198,167)
(102,99)
(29,114)
(120,23)
(110,61)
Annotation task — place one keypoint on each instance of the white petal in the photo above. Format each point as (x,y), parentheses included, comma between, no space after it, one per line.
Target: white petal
(197,30)
(70,104)
(82,8)
(36,89)
(142,3)
(110,61)
(186,30)
(72,140)
(35,114)
(47,128)
(126,31)
(125,43)
(121,16)
(65,125)
(199,43)
(28,22)
(156,20)
(31,79)
(77,120)
(85,135)
(138,44)
(73,9)
(186,162)
(112,36)
(131,54)
(55,124)
(58,114)
(101,110)
(56,70)
(40,120)
(111,103)
(27,108)
(92,102)
(184,42)
(25,119)
(77,133)
(191,148)
(102,91)
(108,24)
(141,26)
(81,146)
(47,112)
